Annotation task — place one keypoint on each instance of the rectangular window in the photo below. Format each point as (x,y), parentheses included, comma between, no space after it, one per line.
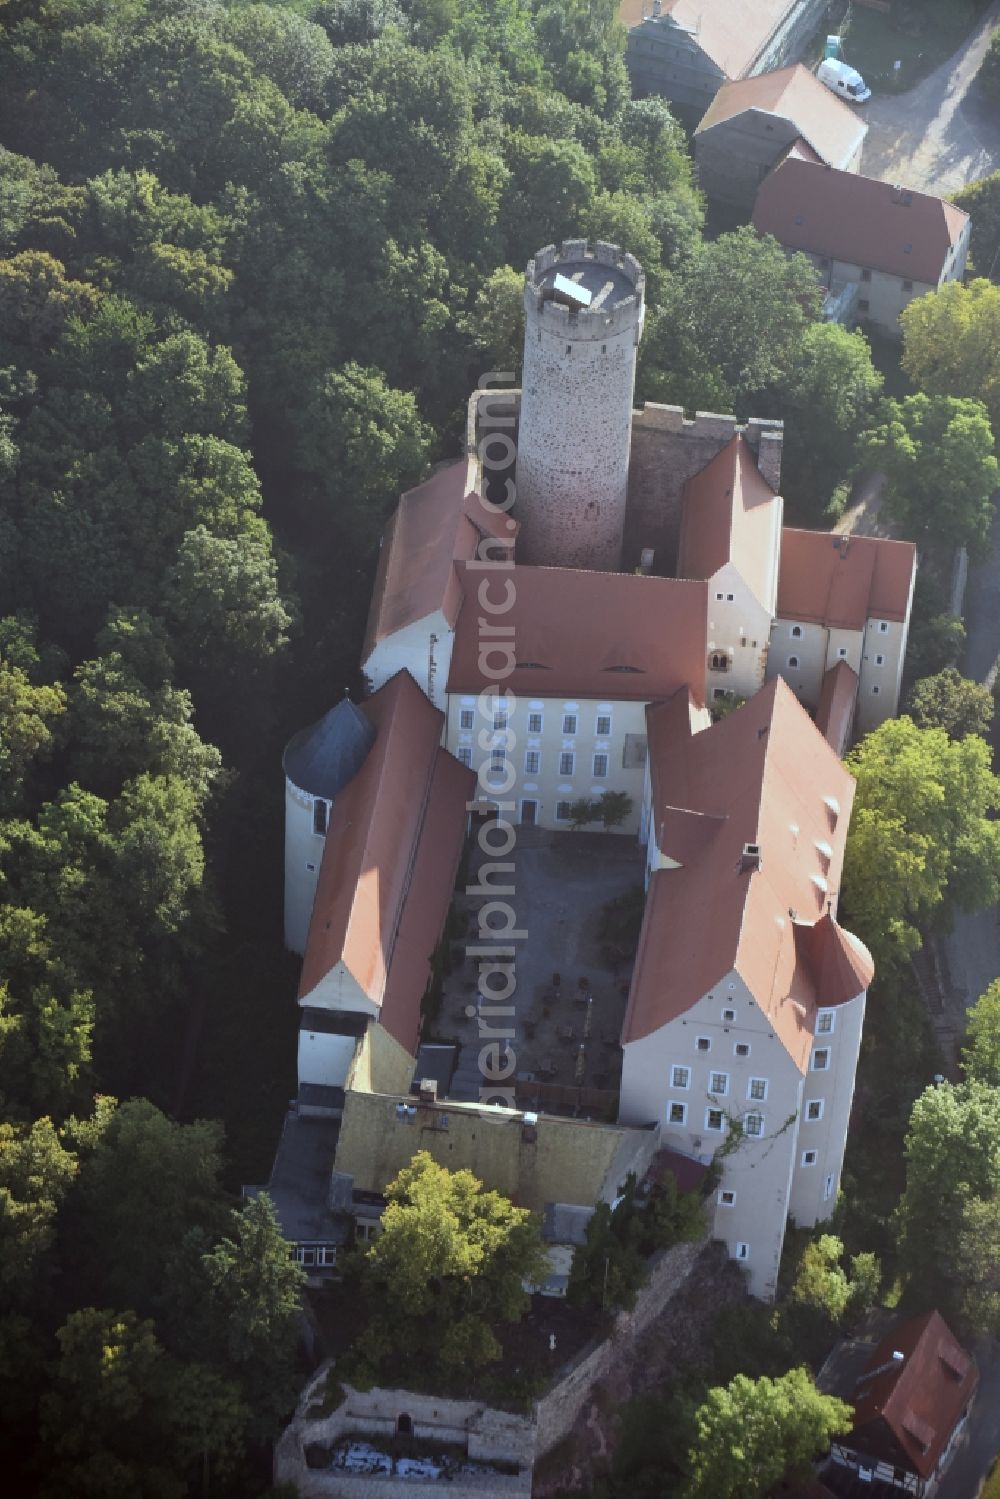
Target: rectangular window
(726,1198)
(809,1158)
(814,1110)
(825,1023)
(566,762)
(500,718)
(466,718)
(562,811)
(498,758)
(828,1188)
(603,725)
(713,1119)
(757,1091)
(879,660)
(464,754)
(741,1049)
(634,752)
(718,1082)
(304,1256)
(753,1124)
(703,1043)
(842,652)
(534,723)
(821,1059)
(569,723)
(680,1077)
(862,304)
(600,766)
(874,692)
(728,1016)
(319,817)
(883,627)
(719,597)
(532,762)
(907,285)
(742,1250)
(729,598)
(677,1113)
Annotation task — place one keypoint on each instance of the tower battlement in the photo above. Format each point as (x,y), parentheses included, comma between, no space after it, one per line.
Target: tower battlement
(610,278)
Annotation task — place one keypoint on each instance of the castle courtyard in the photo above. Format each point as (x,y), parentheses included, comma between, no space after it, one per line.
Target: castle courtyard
(572,975)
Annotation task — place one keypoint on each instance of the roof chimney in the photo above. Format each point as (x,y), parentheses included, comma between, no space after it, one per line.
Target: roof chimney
(750,858)
(428,1091)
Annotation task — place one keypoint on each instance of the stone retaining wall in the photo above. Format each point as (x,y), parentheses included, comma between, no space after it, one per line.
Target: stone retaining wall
(486,1433)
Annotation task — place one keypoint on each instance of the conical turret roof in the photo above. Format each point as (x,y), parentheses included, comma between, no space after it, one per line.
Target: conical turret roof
(321,759)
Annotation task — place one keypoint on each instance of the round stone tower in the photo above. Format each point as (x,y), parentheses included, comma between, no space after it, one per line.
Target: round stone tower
(584,306)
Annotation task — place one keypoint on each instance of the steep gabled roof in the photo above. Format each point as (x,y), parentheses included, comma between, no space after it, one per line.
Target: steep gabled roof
(832,129)
(435,525)
(858,220)
(392,848)
(321,759)
(618,636)
(731,35)
(768,778)
(731,515)
(842,581)
(837,700)
(909,1407)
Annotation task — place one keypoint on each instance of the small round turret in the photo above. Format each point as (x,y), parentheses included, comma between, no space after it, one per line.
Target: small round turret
(584,306)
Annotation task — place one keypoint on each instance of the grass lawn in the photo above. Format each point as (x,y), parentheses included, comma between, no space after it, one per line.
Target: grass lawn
(918,36)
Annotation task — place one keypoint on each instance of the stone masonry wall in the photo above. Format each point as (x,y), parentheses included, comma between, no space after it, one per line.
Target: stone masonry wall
(576,407)
(488,1434)
(557,1411)
(667,450)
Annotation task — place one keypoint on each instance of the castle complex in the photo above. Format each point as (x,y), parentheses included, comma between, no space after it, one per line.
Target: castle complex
(554,618)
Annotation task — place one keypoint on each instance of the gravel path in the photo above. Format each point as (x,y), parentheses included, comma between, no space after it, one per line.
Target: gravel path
(940,135)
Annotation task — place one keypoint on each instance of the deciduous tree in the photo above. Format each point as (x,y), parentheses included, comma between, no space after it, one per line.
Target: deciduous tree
(981,1052)
(951,702)
(937,452)
(922,841)
(952,1160)
(951,343)
(751,1433)
(452,1249)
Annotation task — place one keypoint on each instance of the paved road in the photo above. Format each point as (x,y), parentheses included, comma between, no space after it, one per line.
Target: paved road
(978,1443)
(973,948)
(938,136)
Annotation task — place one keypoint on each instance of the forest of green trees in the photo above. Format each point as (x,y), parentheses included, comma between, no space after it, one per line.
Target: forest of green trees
(252,259)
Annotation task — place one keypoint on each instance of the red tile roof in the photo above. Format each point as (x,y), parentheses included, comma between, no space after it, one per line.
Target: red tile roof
(619,636)
(858,220)
(731,514)
(731,35)
(842,581)
(837,700)
(392,848)
(769,778)
(435,525)
(906,1410)
(832,130)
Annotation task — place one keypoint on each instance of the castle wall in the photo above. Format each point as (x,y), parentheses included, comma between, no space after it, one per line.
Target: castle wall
(667,450)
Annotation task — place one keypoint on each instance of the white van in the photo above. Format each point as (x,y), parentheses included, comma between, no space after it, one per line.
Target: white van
(845,81)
